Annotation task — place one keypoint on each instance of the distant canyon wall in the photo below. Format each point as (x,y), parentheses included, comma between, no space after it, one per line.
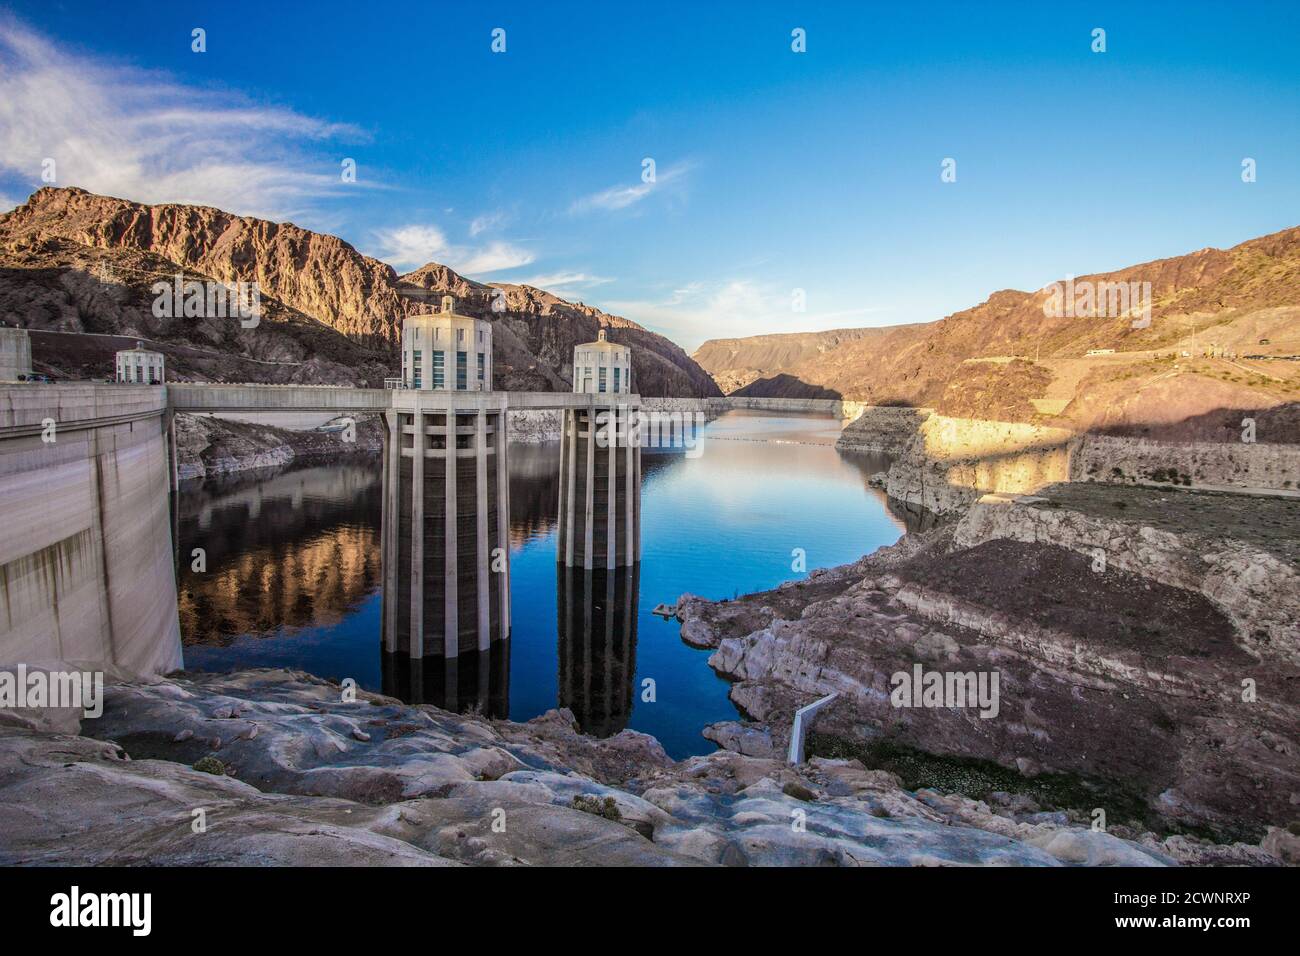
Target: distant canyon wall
(75,262)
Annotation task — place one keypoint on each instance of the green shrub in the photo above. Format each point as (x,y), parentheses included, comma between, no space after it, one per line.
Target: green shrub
(591,803)
(211,765)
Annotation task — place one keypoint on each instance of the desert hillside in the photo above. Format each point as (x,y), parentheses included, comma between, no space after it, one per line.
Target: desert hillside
(79,267)
(1224,327)
(737,364)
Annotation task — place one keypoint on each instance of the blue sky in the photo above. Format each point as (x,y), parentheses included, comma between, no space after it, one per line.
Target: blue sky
(775,170)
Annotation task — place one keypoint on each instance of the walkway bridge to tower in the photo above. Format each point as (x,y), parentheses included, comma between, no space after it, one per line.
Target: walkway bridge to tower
(202,398)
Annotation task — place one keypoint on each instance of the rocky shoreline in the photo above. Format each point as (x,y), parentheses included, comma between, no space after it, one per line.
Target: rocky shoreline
(222,446)
(1185,722)
(286,769)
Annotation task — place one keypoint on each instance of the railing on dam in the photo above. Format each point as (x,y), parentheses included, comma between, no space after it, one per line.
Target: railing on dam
(25,409)
(187,397)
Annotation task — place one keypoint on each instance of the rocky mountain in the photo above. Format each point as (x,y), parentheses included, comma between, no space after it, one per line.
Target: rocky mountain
(737,364)
(75,262)
(1111,679)
(1210,310)
(82,303)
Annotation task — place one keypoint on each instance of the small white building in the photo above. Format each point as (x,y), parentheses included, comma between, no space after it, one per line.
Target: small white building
(15,354)
(140,366)
(443,350)
(602,367)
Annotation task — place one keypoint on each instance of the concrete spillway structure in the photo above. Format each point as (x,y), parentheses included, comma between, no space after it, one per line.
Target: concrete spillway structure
(597,624)
(600,487)
(86,558)
(445,524)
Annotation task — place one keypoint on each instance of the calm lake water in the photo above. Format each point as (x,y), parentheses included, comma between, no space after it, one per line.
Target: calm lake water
(293,570)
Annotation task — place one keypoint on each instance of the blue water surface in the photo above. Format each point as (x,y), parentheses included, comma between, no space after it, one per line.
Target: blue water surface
(293,574)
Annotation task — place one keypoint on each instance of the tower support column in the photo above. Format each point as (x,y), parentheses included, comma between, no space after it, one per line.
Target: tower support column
(600,487)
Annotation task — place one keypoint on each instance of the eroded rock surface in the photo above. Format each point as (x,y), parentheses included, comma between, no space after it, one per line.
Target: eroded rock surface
(290,772)
(1174,699)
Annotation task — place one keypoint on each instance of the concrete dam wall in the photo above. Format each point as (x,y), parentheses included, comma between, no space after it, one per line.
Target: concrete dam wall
(86,558)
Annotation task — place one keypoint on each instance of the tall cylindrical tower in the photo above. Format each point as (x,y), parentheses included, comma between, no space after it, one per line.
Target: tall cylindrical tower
(445,524)
(602,367)
(600,487)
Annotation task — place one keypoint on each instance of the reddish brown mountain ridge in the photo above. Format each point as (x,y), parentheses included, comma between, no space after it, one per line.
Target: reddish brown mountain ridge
(1223,326)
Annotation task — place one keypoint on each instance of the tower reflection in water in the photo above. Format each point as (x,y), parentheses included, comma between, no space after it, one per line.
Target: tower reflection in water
(597,614)
(476,681)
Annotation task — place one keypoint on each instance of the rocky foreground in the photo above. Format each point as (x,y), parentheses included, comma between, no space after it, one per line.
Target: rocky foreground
(286,771)
(1145,671)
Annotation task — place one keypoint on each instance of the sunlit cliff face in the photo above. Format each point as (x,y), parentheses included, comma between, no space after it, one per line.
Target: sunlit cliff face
(997,456)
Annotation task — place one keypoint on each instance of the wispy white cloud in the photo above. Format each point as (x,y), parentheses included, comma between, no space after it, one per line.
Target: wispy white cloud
(7,203)
(487,222)
(493,257)
(738,307)
(621,197)
(406,247)
(559,281)
(125,132)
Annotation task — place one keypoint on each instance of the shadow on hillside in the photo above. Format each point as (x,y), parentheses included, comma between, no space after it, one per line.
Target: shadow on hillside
(785,386)
(1279,424)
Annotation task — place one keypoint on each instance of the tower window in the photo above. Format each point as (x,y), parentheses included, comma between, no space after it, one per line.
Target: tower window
(439,381)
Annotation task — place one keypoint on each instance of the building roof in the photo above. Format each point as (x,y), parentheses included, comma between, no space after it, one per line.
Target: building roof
(139,350)
(445,312)
(601,343)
